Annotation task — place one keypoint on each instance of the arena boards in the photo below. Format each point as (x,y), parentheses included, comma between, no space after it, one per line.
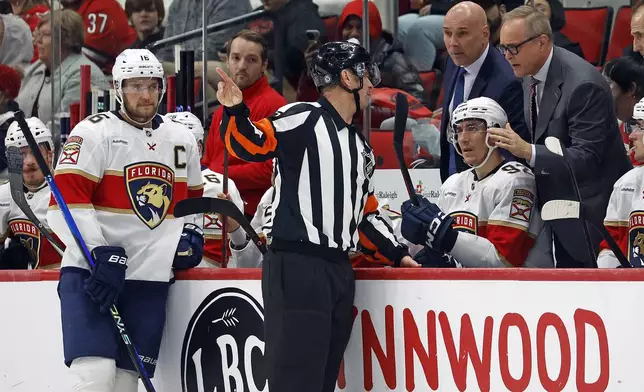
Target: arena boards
(414,330)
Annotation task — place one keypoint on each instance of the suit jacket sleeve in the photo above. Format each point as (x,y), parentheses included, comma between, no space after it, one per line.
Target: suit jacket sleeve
(586,113)
(511,101)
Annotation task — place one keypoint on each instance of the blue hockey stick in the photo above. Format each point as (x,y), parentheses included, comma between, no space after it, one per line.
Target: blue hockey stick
(118,321)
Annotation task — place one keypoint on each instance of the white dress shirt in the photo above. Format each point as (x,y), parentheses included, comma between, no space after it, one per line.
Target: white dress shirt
(471,72)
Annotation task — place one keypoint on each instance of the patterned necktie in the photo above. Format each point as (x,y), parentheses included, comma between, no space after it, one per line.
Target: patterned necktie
(533,106)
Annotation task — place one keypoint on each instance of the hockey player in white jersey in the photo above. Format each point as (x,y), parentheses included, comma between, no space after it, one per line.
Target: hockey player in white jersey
(121,174)
(484,216)
(625,212)
(28,248)
(213,185)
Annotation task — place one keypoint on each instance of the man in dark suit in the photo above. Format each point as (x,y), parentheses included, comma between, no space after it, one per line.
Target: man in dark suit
(475,69)
(567,98)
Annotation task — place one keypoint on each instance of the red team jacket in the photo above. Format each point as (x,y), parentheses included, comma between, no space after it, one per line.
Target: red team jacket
(107,31)
(252,179)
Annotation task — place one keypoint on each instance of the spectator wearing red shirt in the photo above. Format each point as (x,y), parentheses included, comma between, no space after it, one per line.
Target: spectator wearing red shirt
(625,76)
(107,30)
(30,11)
(247,61)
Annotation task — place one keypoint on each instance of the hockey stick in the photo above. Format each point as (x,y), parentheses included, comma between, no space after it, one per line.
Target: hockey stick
(202,205)
(554,146)
(14,165)
(400,123)
(224,224)
(69,219)
(571,209)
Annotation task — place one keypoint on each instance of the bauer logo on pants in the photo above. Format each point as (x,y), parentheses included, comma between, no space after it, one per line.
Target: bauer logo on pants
(149,187)
(223,347)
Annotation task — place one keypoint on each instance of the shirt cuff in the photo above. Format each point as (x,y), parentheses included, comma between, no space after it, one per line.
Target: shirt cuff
(238,237)
(239,110)
(534,155)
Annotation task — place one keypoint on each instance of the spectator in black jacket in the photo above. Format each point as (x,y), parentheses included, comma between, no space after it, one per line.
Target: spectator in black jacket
(146,16)
(554,10)
(295,17)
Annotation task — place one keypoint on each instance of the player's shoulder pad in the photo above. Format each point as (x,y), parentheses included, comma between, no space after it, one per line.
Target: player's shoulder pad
(213,178)
(98,125)
(267,197)
(514,175)
(514,171)
(627,183)
(5,195)
(456,178)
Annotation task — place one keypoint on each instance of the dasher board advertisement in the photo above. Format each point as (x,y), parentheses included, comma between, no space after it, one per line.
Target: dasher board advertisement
(414,330)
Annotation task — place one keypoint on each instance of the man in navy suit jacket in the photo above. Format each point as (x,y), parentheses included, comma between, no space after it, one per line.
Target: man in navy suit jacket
(475,69)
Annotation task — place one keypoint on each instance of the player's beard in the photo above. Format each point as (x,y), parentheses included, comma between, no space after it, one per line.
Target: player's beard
(141,114)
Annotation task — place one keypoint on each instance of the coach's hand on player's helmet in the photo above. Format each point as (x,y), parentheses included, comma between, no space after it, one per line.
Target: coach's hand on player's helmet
(509,140)
(427,224)
(228,94)
(108,275)
(190,248)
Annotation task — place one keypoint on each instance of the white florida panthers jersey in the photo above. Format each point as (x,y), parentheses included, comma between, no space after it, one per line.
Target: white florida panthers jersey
(498,207)
(625,220)
(213,184)
(13,222)
(121,184)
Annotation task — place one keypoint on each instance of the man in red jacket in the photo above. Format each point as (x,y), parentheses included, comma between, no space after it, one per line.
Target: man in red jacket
(247,62)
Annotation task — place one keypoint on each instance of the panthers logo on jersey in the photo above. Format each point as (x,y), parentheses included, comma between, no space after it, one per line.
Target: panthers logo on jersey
(28,234)
(150,187)
(636,239)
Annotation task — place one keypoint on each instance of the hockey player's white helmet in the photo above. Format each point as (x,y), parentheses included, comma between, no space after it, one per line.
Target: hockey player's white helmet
(481,108)
(191,122)
(15,137)
(638,110)
(136,63)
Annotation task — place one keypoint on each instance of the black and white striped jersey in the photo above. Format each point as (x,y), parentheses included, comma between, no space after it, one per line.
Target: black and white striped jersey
(323,187)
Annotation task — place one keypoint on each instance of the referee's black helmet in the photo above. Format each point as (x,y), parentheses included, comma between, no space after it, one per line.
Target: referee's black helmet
(334,57)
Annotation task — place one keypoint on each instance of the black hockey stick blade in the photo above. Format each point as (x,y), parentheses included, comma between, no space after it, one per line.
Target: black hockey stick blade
(571,209)
(204,205)
(14,165)
(400,123)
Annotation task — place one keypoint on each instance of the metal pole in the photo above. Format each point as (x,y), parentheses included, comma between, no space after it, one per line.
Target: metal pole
(366,114)
(204,70)
(162,43)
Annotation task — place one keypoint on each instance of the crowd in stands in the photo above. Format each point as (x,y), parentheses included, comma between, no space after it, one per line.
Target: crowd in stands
(437,57)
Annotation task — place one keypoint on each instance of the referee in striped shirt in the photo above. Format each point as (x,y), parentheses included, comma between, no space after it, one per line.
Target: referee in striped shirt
(323,206)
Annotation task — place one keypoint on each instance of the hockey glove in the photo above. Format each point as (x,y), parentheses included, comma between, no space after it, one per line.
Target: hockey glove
(190,248)
(108,276)
(427,224)
(16,256)
(430,258)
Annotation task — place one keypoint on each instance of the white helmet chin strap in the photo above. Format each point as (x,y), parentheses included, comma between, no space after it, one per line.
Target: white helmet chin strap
(487,156)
